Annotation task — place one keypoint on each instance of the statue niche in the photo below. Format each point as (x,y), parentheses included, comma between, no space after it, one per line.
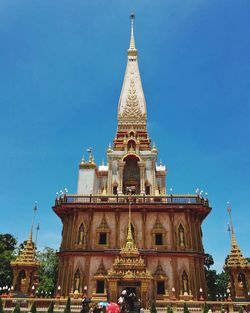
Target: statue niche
(131,175)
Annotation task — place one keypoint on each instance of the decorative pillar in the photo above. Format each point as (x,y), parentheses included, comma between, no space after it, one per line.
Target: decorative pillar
(117,235)
(142,177)
(90,229)
(144,293)
(113,290)
(144,218)
(120,173)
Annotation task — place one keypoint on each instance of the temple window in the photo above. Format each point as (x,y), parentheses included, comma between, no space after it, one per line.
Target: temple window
(103,232)
(131,175)
(185,285)
(100,286)
(160,287)
(158,239)
(77,279)
(181,236)
(241,280)
(102,238)
(80,238)
(131,145)
(158,234)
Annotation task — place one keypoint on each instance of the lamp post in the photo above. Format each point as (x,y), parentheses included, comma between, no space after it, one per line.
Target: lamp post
(228,295)
(85,291)
(59,291)
(173,294)
(33,291)
(201,295)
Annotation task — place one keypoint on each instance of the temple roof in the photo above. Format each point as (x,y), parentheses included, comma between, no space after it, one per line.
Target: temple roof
(235,258)
(132,104)
(27,256)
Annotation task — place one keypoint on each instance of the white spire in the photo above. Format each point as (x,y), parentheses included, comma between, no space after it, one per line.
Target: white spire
(132,39)
(132,104)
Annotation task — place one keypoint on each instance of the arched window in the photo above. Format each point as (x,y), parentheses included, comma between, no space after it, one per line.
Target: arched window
(80,237)
(241,280)
(131,145)
(131,175)
(77,280)
(21,281)
(181,236)
(185,284)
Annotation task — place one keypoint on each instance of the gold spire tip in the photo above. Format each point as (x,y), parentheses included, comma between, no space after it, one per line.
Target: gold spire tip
(132,50)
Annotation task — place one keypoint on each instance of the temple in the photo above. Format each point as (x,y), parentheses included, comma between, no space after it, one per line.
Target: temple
(238,269)
(25,267)
(121,230)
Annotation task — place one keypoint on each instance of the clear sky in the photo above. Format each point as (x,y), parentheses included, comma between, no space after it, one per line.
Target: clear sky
(61,70)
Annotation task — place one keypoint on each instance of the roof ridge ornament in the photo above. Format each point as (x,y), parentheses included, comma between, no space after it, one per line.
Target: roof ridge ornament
(132,51)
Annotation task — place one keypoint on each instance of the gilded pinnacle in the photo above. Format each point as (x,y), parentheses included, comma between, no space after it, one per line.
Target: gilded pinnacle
(132,51)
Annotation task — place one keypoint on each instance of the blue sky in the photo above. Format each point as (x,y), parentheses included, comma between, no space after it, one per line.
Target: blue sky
(61,71)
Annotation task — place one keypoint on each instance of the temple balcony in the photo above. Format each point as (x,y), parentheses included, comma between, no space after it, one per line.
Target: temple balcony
(196,203)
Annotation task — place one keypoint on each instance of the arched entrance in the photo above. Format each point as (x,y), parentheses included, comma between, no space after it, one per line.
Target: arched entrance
(131,175)
(21,282)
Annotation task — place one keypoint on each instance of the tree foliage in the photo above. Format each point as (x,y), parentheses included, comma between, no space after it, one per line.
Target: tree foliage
(48,270)
(216,282)
(209,261)
(51,307)
(153,307)
(185,308)
(33,308)
(67,307)
(205,308)
(7,253)
(1,306)
(17,309)
(169,309)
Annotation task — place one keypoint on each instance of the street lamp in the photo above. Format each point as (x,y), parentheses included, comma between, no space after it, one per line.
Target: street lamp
(173,294)
(229,295)
(33,290)
(201,296)
(85,291)
(58,291)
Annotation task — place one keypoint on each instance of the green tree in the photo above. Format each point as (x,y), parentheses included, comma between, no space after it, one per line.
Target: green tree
(17,309)
(33,307)
(48,270)
(208,261)
(205,308)
(51,307)
(67,307)
(185,308)
(241,309)
(222,281)
(169,309)
(211,277)
(1,306)
(7,254)
(153,307)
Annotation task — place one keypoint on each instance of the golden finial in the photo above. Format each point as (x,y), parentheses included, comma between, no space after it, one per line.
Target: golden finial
(109,148)
(132,50)
(90,151)
(160,162)
(33,220)
(82,161)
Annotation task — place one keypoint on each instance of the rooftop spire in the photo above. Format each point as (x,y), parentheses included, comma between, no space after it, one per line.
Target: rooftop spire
(33,220)
(235,258)
(132,39)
